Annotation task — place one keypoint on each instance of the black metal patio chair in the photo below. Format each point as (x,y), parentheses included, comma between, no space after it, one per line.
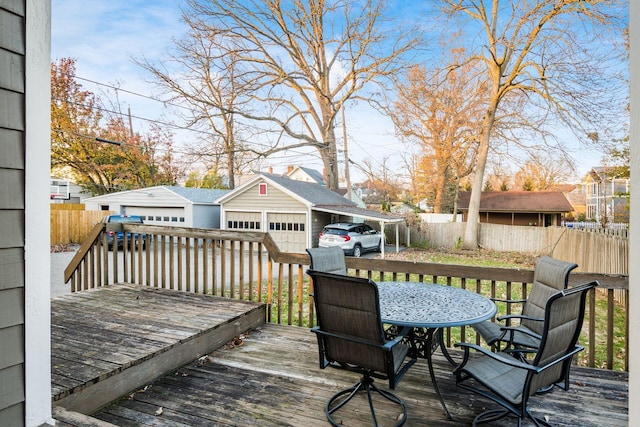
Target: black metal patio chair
(550,275)
(351,337)
(328,260)
(510,382)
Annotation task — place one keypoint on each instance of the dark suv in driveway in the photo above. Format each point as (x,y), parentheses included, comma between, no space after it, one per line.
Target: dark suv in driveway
(114,233)
(354,239)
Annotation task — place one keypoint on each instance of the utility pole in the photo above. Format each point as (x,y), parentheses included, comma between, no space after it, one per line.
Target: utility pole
(130,122)
(346,156)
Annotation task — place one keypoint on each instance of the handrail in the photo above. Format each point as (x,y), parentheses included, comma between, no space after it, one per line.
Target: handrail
(215,261)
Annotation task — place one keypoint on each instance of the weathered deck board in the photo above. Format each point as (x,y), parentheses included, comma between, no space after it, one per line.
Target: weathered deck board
(273,379)
(138,331)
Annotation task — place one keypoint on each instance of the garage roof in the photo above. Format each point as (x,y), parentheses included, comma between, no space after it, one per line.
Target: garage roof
(368,214)
(197,195)
(519,201)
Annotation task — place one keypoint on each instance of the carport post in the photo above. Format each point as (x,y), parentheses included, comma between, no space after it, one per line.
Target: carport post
(397,238)
(408,235)
(383,239)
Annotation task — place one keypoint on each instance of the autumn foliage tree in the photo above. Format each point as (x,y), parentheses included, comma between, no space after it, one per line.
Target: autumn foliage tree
(439,111)
(99,152)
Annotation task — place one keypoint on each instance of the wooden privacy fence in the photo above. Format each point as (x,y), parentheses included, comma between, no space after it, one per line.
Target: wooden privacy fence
(249,266)
(593,252)
(70,223)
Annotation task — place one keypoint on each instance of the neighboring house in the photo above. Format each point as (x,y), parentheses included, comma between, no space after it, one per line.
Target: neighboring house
(607,196)
(402,208)
(25,285)
(65,191)
(534,208)
(164,205)
(577,198)
(355,198)
(301,173)
(293,212)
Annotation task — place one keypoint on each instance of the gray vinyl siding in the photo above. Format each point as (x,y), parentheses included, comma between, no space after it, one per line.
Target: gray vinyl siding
(12,213)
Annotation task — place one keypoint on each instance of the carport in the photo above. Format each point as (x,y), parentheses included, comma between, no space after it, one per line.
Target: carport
(370,215)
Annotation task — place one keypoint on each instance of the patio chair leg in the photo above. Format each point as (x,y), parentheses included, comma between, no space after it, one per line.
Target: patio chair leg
(491,415)
(365,384)
(496,414)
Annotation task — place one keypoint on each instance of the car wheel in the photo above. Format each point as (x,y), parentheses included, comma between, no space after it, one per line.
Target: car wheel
(357,251)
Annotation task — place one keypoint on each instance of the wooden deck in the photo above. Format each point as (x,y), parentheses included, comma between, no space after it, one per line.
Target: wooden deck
(272,379)
(106,342)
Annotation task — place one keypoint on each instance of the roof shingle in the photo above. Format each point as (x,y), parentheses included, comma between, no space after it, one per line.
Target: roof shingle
(518,201)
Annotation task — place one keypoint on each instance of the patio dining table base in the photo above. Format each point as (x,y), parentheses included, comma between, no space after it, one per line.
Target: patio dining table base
(427,308)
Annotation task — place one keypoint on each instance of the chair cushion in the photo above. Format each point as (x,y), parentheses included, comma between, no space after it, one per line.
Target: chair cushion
(505,380)
(489,331)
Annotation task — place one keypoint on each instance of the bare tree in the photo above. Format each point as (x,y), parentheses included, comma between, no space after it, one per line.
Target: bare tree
(535,50)
(439,111)
(542,171)
(205,76)
(307,58)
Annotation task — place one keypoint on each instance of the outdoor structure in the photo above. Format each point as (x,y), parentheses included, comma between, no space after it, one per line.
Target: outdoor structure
(164,205)
(607,196)
(532,208)
(25,316)
(292,211)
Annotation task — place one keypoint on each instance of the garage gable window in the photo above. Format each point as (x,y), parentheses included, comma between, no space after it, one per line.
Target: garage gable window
(262,189)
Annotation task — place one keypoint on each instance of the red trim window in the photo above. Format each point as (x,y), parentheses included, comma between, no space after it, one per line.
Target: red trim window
(262,189)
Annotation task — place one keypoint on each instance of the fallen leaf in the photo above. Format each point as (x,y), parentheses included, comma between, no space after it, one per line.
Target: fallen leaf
(159,411)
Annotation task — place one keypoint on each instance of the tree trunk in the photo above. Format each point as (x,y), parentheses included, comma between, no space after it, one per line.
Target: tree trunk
(473,216)
(329,155)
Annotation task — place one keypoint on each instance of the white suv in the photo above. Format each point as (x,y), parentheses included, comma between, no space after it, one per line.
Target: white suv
(354,239)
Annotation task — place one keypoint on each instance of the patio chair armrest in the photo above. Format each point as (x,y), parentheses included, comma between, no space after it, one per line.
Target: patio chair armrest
(509,301)
(406,330)
(508,360)
(511,329)
(318,331)
(576,349)
(519,316)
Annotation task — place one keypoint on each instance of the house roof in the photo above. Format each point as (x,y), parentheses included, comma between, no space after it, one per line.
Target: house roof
(197,195)
(312,173)
(310,191)
(518,201)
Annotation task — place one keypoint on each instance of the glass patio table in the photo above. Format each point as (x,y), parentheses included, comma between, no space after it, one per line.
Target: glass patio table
(427,308)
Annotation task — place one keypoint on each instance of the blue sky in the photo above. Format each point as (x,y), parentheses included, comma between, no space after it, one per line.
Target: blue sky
(104,36)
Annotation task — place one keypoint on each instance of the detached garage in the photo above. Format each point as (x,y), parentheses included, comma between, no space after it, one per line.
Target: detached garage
(164,205)
(293,212)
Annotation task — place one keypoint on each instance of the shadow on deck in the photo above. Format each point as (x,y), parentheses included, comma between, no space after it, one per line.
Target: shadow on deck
(273,378)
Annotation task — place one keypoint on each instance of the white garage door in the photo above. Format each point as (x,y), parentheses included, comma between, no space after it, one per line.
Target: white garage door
(157,215)
(244,221)
(288,231)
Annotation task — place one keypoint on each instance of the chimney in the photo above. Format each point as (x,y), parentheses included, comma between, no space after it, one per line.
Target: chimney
(289,169)
(270,169)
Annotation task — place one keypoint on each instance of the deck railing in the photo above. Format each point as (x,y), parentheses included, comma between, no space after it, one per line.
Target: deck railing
(249,265)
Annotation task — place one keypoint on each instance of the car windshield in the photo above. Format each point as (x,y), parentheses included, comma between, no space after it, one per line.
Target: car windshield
(335,231)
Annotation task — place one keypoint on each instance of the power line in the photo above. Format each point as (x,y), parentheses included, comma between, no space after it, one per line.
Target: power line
(116,88)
